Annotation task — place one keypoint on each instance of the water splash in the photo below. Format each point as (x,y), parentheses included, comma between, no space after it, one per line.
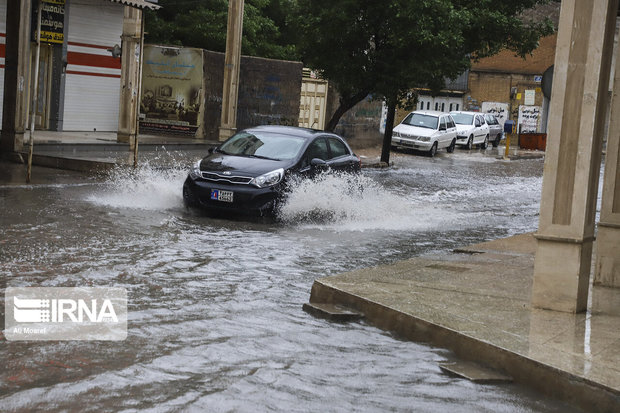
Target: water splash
(146,187)
(359,203)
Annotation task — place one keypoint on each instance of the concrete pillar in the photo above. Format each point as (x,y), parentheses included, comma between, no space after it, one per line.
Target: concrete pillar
(130,75)
(572,165)
(228,125)
(16,75)
(607,270)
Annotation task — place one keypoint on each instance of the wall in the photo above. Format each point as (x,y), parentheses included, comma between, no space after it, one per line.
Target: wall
(509,89)
(269,93)
(360,125)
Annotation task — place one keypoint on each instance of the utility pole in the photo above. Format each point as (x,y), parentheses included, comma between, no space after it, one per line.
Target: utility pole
(228,125)
(35,93)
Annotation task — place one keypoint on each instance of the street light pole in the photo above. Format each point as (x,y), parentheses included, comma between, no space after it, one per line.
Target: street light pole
(230,92)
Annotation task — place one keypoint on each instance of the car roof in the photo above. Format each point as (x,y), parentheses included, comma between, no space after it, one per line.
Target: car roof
(305,133)
(467,112)
(430,112)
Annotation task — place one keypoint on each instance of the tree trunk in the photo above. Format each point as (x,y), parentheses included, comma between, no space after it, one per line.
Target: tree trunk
(346,103)
(389,126)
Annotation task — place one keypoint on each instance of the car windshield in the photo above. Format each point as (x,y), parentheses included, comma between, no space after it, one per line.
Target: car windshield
(421,120)
(263,145)
(463,118)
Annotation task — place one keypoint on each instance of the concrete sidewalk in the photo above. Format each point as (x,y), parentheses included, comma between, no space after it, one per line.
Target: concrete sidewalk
(476,302)
(100,151)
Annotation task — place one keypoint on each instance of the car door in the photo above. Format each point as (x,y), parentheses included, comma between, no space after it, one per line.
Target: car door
(317,149)
(442,136)
(479,132)
(340,158)
(451,129)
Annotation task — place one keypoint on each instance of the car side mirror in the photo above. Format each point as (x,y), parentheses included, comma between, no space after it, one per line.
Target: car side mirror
(318,163)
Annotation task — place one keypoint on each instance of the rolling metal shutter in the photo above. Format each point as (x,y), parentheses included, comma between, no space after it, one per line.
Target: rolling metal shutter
(92,88)
(2,50)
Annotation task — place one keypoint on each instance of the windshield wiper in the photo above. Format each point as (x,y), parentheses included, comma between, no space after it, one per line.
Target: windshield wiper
(263,157)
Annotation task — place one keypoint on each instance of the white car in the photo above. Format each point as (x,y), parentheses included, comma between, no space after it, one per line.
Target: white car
(425,131)
(472,129)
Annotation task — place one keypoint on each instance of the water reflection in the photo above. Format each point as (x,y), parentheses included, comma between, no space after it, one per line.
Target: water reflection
(215,319)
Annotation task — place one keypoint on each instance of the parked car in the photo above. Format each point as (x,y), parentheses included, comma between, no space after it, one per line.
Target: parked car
(250,171)
(496,131)
(425,131)
(472,129)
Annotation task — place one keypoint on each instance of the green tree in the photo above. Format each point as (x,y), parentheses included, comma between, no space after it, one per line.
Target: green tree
(202,24)
(387,48)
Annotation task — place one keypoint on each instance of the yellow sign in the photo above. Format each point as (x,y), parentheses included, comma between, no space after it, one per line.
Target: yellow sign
(53,21)
(518,96)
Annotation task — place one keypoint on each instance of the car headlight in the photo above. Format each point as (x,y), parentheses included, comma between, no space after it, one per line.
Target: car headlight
(396,135)
(424,138)
(268,179)
(195,171)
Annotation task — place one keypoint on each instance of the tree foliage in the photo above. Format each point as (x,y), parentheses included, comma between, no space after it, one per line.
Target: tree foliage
(202,24)
(387,48)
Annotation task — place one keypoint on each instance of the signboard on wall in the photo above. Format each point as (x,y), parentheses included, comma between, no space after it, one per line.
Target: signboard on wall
(171,89)
(52,21)
(530,97)
(500,110)
(529,119)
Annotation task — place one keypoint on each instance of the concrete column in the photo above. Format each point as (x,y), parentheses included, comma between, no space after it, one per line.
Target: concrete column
(130,75)
(228,125)
(572,165)
(16,75)
(607,271)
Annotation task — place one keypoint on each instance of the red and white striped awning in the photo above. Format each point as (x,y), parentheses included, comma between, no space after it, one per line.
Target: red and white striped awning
(139,4)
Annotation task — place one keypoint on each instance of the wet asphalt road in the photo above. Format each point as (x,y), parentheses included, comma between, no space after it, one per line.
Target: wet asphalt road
(215,318)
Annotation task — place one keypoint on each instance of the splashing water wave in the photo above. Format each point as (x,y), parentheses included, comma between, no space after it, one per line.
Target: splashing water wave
(359,203)
(143,188)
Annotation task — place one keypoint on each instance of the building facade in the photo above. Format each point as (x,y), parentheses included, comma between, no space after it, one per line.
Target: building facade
(80,72)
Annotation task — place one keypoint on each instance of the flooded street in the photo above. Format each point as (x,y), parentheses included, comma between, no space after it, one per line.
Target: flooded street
(215,306)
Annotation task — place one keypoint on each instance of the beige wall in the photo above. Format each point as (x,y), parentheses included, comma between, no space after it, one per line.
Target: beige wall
(496,87)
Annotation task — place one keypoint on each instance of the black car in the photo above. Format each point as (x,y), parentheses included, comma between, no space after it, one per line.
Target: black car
(249,173)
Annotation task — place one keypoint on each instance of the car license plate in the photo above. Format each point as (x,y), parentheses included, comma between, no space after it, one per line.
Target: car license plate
(224,196)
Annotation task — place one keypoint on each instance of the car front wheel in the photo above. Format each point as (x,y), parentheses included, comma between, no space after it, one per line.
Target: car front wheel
(497,139)
(450,148)
(470,143)
(485,144)
(433,150)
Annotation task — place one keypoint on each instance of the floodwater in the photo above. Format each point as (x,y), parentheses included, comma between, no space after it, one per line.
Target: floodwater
(215,306)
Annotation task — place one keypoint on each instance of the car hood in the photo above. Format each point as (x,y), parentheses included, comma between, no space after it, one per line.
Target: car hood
(414,130)
(246,166)
(464,128)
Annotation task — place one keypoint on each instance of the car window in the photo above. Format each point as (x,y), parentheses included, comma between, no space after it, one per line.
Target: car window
(317,149)
(462,118)
(442,123)
(491,120)
(451,122)
(337,148)
(478,123)
(265,145)
(421,120)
